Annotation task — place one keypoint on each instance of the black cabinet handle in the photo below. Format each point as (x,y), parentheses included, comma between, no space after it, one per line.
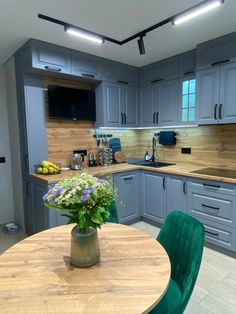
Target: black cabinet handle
(123,82)
(215,110)
(153,117)
(220,112)
(188,72)
(128,178)
(220,62)
(26,161)
(52,69)
(157,80)
(27,189)
(212,207)
(164,183)
(157,117)
(122,118)
(212,233)
(211,186)
(88,75)
(184,187)
(125,119)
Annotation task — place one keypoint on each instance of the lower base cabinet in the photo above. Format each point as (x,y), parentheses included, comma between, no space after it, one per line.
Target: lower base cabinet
(176,194)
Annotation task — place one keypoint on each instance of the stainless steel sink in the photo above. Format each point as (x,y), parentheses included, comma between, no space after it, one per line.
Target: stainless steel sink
(154,164)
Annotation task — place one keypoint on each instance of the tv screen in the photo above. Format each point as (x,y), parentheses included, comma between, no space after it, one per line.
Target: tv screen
(71,103)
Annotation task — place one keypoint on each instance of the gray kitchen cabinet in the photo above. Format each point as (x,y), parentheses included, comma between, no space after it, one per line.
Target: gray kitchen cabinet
(28,212)
(154,196)
(176,194)
(187,63)
(216,51)
(216,95)
(85,65)
(166,69)
(213,203)
(127,189)
(149,105)
(116,105)
(50,57)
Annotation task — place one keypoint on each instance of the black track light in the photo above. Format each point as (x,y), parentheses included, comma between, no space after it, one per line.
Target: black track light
(141,46)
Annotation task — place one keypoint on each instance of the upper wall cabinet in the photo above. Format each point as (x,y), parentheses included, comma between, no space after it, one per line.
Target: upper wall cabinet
(187,63)
(86,65)
(50,57)
(217,51)
(163,70)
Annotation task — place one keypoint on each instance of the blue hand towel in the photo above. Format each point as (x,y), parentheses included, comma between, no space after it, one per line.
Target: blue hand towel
(167,138)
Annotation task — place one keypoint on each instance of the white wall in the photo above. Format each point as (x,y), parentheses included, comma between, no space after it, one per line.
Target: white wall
(6,195)
(14,142)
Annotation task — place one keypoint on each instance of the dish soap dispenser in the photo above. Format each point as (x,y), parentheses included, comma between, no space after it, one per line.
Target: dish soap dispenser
(147,156)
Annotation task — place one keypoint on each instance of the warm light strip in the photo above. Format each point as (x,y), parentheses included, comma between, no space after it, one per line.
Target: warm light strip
(196,11)
(84,35)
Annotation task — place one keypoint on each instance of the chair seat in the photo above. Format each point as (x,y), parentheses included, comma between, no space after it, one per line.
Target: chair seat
(170,301)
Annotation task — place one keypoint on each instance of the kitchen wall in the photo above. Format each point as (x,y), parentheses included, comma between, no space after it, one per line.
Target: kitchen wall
(6,195)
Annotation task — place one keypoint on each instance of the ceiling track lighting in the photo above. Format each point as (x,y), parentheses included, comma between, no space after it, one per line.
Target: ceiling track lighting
(202,7)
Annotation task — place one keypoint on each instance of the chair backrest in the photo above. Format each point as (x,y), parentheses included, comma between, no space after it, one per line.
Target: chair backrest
(113,213)
(182,237)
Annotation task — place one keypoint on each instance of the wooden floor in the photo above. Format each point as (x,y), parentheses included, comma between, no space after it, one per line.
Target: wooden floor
(215,291)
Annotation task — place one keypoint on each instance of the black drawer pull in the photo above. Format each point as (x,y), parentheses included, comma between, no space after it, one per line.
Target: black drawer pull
(184,187)
(157,80)
(123,82)
(129,178)
(122,118)
(220,62)
(153,117)
(26,160)
(52,69)
(188,72)
(212,233)
(164,183)
(28,189)
(211,186)
(157,117)
(220,112)
(212,207)
(215,110)
(125,118)
(88,75)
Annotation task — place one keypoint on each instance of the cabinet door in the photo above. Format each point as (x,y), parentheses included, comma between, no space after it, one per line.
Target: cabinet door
(131,106)
(154,201)
(112,98)
(85,65)
(207,98)
(39,210)
(176,192)
(187,63)
(127,186)
(51,57)
(168,103)
(227,109)
(148,97)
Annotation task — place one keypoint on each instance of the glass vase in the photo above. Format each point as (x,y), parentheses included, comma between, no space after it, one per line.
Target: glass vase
(84,247)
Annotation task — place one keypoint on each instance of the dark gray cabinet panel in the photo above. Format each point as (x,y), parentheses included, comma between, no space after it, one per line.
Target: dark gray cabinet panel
(28,212)
(207,98)
(112,102)
(127,188)
(154,197)
(187,63)
(176,194)
(149,105)
(85,65)
(168,92)
(222,49)
(50,57)
(38,208)
(128,106)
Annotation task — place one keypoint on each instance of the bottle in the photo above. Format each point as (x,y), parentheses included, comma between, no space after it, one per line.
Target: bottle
(146,157)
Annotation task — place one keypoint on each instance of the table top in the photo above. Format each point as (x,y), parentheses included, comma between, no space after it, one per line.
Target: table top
(131,277)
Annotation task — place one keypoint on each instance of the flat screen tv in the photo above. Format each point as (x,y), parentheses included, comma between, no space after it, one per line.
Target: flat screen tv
(71,103)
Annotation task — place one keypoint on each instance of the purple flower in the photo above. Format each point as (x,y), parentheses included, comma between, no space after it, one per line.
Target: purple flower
(84,197)
(46,195)
(59,191)
(100,181)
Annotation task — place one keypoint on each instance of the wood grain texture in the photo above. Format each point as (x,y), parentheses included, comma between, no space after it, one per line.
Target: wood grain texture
(131,277)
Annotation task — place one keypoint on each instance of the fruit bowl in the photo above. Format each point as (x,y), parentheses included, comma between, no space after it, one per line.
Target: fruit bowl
(47,168)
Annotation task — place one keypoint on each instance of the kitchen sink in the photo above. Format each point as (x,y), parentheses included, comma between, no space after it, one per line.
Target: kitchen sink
(155,164)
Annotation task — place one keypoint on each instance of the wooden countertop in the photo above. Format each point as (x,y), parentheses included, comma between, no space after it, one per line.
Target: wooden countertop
(180,169)
(131,277)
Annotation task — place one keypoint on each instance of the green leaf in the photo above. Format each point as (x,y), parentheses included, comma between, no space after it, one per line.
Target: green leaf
(96,217)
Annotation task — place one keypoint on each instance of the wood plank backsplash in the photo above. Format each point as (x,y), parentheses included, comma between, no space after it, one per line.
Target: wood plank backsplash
(210,145)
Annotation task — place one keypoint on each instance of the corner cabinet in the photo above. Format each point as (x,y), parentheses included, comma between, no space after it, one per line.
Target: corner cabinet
(127,203)
(116,105)
(216,95)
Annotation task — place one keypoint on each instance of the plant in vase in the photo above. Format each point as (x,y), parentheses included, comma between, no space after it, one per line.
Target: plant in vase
(84,200)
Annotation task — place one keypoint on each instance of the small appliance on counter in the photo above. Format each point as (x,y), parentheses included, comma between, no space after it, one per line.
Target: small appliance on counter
(105,156)
(92,161)
(77,161)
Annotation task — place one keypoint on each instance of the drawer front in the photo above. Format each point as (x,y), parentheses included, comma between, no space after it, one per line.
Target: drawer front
(213,186)
(215,207)
(222,236)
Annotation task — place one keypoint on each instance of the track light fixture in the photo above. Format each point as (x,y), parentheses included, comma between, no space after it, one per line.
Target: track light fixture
(186,15)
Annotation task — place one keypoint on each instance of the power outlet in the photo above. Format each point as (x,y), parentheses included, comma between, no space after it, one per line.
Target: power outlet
(80,151)
(2,160)
(186,150)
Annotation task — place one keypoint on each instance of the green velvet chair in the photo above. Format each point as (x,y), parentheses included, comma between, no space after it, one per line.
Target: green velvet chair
(113,213)
(183,239)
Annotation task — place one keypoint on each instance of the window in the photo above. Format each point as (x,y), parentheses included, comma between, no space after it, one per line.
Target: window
(188,100)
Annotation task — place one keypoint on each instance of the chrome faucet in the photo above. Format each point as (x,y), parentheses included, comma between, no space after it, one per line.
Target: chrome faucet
(154,143)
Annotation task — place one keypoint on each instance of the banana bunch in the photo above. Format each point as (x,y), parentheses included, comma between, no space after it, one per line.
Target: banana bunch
(47,167)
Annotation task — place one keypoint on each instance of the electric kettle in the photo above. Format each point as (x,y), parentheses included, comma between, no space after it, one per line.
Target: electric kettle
(77,161)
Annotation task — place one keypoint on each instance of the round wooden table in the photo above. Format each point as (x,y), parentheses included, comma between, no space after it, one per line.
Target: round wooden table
(131,277)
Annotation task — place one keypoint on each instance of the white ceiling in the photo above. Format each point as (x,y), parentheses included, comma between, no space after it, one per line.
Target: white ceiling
(114,18)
